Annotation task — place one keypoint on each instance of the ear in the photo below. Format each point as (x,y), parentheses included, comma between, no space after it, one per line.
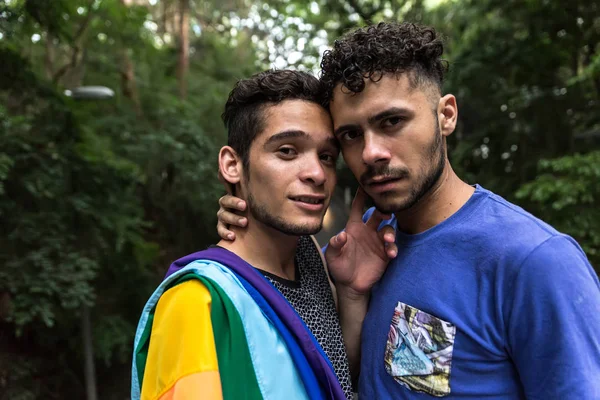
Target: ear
(447,114)
(230,165)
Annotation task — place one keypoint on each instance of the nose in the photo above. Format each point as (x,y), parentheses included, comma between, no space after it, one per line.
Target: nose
(313,172)
(375,151)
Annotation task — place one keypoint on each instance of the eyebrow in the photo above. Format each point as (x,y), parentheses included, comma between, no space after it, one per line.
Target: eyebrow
(392,111)
(289,134)
(286,135)
(375,118)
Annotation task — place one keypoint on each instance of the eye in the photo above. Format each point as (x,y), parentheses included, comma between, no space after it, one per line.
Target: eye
(328,158)
(287,152)
(392,121)
(349,136)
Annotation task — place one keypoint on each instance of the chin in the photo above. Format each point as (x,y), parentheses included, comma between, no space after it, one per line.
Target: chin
(386,208)
(309,226)
(392,204)
(300,226)
(302,230)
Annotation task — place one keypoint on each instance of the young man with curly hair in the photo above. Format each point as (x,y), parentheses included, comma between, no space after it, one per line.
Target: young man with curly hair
(256,318)
(483,300)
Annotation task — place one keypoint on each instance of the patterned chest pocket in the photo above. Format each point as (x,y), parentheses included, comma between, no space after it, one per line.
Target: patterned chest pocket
(418,353)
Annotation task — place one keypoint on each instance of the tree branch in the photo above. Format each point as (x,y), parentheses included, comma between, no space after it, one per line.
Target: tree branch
(77,45)
(184,46)
(366,16)
(49,56)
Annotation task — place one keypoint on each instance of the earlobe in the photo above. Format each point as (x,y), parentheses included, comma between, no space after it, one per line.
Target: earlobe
(230,165)
(448,114)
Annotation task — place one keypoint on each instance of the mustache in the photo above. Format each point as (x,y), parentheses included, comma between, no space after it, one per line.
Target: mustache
(383,170)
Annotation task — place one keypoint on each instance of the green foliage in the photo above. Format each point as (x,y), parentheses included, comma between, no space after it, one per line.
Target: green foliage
(112,339)
(98,197)
(297,32)
(566,194)
(521,74)
(67,202)
(40,205)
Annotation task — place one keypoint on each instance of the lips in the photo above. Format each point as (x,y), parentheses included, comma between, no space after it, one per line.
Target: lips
(309,203)
(310,199)
(383,183)
(380,180)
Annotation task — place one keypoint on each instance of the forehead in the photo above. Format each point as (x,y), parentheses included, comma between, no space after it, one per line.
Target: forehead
(297,115)
(391,90)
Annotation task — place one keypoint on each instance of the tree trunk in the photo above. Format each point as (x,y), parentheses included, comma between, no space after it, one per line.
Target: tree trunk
(49,56)
(128,86)
(88,351)
(78,40)
(184,46)
(162,29)
(590,56)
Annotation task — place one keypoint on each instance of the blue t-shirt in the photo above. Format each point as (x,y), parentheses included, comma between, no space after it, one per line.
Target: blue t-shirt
(490,304)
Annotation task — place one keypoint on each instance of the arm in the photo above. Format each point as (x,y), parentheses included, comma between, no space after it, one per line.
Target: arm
(554,323)
(357,258)
(352,309)
(182,359)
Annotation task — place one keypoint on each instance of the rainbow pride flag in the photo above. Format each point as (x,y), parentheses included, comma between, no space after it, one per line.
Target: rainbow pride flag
(215,328)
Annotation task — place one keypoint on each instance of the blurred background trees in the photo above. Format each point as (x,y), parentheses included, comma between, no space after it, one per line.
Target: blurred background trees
(97,197)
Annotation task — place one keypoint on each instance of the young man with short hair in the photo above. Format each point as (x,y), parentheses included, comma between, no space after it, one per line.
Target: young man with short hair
(483,300)
(256,318)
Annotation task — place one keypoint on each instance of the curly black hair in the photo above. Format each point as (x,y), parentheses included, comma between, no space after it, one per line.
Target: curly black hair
(370,52)
(244,115)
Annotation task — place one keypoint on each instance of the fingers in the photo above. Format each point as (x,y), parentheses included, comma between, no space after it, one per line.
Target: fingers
(336,244)
(391,250)
(223,232)
(358,205)
(376,218)
(229,218)
(226,216)
(387,234)
(229,202)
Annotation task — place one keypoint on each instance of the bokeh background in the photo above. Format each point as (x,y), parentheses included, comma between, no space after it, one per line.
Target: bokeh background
(99,195)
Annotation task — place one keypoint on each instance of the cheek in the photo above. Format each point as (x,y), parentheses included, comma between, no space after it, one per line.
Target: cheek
(273,180)
(264,170)
(411,150)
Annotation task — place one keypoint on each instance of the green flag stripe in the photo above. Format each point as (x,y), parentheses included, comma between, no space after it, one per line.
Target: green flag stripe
(238,378)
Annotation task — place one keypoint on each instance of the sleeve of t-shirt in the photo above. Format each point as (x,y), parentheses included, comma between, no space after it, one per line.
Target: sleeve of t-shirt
(553,323)
(182,359)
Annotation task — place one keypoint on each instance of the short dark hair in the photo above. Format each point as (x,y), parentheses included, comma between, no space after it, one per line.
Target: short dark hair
(244,115)
(370,52)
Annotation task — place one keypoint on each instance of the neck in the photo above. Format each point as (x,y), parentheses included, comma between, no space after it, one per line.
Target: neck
(445,198)
(264,248)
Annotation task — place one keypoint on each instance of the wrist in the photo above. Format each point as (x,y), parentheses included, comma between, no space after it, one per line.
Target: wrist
(347,293)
